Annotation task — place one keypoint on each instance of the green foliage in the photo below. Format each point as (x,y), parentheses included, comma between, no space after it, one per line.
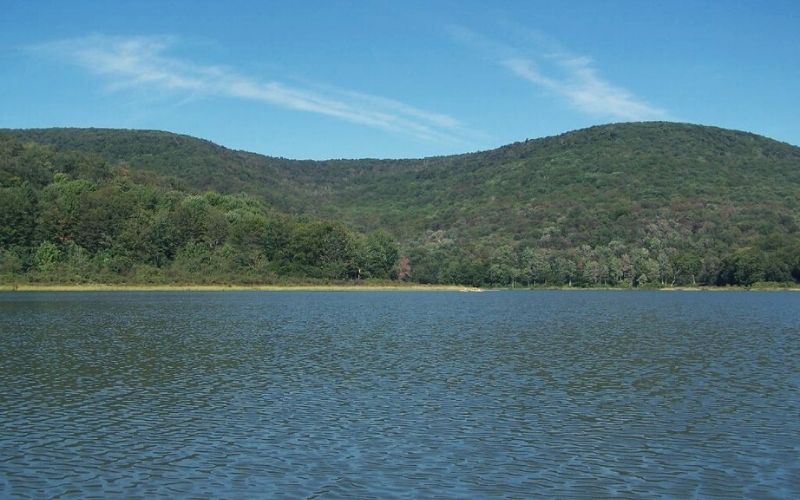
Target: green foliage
(645,204)
(17,216)
(82,221)
(379,253)
(46,257)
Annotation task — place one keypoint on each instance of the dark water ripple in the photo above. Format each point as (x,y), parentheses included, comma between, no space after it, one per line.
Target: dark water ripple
(400,394)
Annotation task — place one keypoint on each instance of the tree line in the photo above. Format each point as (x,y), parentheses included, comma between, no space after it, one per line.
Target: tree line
(69,217)
(614,265)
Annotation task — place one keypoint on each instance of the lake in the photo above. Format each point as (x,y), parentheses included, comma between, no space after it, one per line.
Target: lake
(413,394)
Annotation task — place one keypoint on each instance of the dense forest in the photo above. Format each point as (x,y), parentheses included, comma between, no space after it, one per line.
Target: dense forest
(631,205)
(70,217)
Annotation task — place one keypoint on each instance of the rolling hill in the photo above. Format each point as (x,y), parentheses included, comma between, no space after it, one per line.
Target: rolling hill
(634,203)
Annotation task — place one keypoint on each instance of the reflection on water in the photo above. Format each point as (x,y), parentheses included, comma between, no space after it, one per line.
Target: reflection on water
(416,394)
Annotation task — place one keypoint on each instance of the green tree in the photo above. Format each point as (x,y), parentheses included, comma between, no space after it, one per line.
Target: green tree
(535,265)
(379,255)
(46,257)
(17,216)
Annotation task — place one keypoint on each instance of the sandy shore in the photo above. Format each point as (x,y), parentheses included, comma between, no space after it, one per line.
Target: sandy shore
(97,287)
(361,287)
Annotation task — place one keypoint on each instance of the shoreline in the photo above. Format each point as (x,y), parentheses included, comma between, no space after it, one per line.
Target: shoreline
(364,287)
(99,287)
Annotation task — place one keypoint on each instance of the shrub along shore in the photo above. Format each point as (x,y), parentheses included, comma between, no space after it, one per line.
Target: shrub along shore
(120,287)
(349,287)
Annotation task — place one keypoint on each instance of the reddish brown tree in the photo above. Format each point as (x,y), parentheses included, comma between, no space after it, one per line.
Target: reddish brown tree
(404,269)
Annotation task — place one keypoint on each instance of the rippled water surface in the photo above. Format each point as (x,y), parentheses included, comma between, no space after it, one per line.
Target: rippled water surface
(400,394)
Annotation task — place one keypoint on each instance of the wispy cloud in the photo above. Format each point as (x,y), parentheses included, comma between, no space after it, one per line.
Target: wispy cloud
(145,62)
(572,77)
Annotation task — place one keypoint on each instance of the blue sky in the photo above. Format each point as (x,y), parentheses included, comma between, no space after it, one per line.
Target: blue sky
(398,78)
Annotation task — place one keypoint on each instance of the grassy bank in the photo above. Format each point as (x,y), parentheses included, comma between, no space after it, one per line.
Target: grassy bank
(98,287)
(338,287)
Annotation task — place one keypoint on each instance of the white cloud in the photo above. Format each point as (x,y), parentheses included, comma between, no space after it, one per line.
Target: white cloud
(574,78)
(136,62)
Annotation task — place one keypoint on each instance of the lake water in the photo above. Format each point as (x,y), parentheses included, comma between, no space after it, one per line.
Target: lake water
(414,394)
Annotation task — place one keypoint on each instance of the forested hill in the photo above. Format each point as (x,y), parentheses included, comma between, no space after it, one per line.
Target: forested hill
(628,204)
(71,216)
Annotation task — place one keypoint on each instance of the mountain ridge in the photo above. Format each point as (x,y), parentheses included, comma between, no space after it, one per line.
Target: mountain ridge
(670,189)
(40,134)
(198,161)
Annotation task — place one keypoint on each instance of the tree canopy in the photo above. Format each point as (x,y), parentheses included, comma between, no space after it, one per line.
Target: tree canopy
(71,217)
